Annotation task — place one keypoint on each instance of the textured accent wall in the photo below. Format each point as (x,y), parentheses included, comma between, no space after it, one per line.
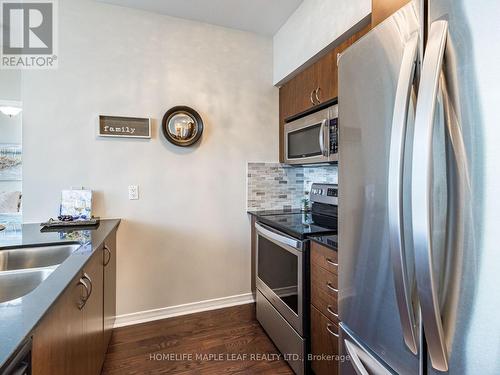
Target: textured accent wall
(274,186)
(325,175)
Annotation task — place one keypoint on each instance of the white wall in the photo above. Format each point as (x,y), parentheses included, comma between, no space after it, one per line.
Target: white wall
(311,28)
(188,237)
(10,84)
(10,128)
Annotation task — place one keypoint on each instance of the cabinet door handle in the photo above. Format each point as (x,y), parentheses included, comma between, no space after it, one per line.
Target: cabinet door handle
(87,277)
(330,310)
(331,262)
(318,100)
(312,97)
(107,250)
(329,286)
(329,329)
(83,300)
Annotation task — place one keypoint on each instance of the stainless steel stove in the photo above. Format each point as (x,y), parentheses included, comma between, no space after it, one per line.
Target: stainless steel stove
(283,271)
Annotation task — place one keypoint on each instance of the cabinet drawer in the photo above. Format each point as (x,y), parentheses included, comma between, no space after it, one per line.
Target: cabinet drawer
(324,280)
(325,303)
(324,257)
(324,344)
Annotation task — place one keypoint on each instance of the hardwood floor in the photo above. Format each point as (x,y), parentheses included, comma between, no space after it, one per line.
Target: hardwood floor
(225,341)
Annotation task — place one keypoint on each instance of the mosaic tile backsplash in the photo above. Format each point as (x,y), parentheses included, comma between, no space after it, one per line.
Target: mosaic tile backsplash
(274,186)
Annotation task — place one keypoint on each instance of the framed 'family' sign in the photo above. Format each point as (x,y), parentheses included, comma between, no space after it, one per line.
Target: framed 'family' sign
(127,127)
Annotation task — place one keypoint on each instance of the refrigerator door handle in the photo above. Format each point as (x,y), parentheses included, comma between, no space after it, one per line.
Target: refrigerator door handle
(395,193)
(422,193)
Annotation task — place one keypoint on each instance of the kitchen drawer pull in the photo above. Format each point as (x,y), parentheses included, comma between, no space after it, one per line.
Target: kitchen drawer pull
(329,329)
(83,300)
(331,262)
(107,250)
(329,286)
(87,277)
(330,310)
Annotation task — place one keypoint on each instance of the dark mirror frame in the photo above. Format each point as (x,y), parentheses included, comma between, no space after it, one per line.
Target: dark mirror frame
(191,112)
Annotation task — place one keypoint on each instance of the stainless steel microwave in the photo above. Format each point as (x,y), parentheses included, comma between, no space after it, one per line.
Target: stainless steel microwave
(313,138)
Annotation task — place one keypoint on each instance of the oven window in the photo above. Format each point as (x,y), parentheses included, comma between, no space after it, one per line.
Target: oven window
(304,143)
(278,269)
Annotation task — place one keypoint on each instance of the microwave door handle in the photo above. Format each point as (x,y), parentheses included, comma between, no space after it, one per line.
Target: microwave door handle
(422,194)
(322,137)
(395,194)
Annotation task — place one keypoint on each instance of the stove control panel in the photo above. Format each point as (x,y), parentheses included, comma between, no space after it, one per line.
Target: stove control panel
(325,193)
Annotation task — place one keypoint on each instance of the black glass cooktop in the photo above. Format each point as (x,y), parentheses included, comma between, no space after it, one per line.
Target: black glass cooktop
(301,225)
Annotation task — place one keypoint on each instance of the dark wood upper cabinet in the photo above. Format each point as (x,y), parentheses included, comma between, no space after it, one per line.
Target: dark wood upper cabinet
(315,85)
(382,9)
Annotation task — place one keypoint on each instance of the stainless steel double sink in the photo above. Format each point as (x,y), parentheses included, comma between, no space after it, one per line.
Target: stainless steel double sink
(23,269)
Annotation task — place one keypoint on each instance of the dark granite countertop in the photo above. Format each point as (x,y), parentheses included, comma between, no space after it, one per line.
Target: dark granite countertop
(327,241)
(18,318)
(274,212)
(297,223)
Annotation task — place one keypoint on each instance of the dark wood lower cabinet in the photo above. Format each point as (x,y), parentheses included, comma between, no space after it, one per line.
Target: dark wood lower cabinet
(324,311)
(109,262)
(93,318)
(73,336)
(324,344)
(58,342)
(324,257)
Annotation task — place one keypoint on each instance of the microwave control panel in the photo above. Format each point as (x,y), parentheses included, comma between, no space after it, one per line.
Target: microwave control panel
(334,135)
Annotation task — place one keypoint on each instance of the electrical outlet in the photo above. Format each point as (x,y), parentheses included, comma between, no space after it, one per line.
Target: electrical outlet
(133,192)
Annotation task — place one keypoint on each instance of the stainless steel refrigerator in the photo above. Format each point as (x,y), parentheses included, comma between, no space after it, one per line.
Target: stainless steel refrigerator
(419,181)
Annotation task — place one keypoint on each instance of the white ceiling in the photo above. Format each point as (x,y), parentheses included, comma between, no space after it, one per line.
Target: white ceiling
(259,16)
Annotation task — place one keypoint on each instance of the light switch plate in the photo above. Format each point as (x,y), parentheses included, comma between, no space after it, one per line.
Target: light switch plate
(133,192)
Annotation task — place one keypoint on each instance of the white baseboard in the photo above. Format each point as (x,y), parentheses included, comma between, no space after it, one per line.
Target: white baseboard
(188,308)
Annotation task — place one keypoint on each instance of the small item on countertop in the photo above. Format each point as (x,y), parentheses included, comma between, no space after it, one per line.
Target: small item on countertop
(93,221)
(76,204)
(305,204)
(65,218)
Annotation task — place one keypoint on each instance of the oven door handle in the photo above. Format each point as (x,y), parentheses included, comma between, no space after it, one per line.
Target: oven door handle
(276,237)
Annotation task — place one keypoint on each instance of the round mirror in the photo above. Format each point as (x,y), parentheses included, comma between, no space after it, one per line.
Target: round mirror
(182,126)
